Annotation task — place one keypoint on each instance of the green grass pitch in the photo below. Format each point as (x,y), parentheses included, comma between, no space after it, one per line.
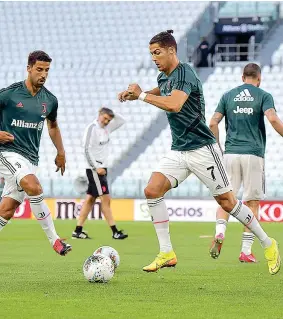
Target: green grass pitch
(37,283)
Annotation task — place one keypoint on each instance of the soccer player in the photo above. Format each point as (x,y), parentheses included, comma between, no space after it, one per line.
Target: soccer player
(194,150)
(24,106)
(244,108)
(96,148)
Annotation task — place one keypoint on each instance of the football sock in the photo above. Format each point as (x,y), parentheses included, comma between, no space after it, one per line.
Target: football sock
(42,214)
(114,229)
(247,218)
(79,229)
(160,219)
(3,222)
(247,241)
(221,225)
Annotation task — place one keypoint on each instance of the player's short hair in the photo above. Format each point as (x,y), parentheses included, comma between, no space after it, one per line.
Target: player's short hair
(105,110)
(38,56)
(252,70)
(165,39)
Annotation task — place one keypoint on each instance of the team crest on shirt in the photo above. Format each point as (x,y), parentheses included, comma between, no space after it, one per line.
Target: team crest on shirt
(44,107)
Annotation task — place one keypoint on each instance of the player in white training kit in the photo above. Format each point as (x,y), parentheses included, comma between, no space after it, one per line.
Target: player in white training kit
(194,150)
(96,149)
(24,106)
(244,108)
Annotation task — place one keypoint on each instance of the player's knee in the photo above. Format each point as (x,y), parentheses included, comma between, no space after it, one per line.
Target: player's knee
(34,190)
(31,185)
(106,200)
(90,200)
(152,192)
(227,203)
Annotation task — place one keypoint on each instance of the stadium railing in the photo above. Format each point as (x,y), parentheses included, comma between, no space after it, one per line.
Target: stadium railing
(236,52)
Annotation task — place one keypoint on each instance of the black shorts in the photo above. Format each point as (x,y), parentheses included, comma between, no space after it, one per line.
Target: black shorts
(97,184)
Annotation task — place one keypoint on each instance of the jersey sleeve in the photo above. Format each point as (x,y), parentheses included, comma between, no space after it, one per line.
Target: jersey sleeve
(185,79)
(52,116)
(3,98)
(221,105)
(267,102)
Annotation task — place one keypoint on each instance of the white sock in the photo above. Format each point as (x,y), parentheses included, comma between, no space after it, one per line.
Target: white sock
(160,219)
(247,218)
(247,242)
(3,222)
(42,214)
(221,225)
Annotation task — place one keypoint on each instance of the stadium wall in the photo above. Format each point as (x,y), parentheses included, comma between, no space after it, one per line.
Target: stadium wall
(137,210)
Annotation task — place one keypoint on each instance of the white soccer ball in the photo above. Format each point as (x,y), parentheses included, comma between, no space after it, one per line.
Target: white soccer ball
(98,268)
(109,252)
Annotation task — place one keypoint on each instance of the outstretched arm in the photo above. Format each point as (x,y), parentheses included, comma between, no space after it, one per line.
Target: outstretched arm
(213,125)
(171,103)
(274,120)
(55,135)
(126,96)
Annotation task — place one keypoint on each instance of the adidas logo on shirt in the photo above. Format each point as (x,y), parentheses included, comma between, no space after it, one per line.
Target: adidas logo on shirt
(244,96)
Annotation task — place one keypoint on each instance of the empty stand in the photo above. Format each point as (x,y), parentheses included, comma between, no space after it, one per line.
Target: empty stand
(97,50)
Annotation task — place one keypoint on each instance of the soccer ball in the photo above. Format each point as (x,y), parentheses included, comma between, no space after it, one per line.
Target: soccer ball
(109,252)
(98,268)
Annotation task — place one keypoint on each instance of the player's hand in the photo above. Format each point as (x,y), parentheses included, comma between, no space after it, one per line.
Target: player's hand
(126,96)
(101,171)
(6,137)
(60,162)
(134,90)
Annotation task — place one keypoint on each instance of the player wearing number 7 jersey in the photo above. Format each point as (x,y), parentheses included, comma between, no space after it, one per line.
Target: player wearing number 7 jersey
(194,150)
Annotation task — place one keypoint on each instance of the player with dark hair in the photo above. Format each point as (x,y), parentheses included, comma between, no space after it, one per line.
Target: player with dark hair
(194,150)
(96,148)
(24,107)
(244,108)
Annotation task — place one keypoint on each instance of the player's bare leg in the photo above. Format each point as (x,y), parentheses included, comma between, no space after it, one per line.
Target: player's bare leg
(30,184)
(107,212)
(248,237)
(158,185)
(230,204)
(8,207)
(86,209)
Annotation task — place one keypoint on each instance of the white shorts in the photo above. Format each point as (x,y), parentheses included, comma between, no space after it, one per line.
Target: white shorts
(249,170)
(206,163)
(13,167)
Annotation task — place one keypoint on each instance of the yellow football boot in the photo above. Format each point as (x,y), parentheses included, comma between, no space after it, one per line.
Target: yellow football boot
(162,260)
(273,257)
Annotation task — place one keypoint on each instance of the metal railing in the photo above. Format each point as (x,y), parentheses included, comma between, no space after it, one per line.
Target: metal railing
(236,52)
